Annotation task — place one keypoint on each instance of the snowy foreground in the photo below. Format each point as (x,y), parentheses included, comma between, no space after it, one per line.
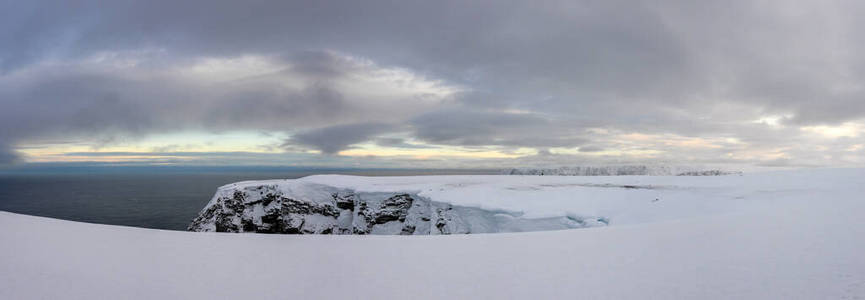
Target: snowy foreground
(779,235)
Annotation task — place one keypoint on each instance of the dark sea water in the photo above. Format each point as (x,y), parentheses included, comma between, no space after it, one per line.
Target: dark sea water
(151,199)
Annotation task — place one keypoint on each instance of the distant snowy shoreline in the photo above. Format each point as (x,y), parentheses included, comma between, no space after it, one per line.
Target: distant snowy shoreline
(626,170)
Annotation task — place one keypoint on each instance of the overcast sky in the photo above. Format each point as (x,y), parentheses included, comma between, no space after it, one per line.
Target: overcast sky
(433,83)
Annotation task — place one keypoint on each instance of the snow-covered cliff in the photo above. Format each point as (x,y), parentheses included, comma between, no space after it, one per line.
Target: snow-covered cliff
(295,207)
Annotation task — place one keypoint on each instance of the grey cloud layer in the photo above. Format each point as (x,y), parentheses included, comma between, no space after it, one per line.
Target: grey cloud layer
(307,90)
(536,74)
(467,128)
(333,139)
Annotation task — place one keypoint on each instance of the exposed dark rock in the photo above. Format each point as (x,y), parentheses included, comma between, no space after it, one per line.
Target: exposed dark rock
(344,201)
(271,223)
(268,199)
(223,224)
(235,203)
(248,226)
(440,225)
(394,209)
(408,230)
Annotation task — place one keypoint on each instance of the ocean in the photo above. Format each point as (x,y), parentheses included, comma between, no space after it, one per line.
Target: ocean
(149,198)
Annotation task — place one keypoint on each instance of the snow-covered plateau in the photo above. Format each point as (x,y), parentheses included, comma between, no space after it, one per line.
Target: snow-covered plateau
(772,235)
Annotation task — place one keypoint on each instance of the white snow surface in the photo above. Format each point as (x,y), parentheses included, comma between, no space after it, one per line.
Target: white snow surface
(777,235)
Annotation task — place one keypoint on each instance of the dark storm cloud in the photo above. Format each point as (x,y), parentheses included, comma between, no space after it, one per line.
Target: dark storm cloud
(474,128)
(590,149)
(330,140)
(707,68)
(399,143)
(7,156)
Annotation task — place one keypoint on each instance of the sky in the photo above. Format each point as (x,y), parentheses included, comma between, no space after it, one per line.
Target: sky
(433,84)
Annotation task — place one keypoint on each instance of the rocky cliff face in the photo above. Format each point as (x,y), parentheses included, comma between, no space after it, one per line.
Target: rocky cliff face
(291,208)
